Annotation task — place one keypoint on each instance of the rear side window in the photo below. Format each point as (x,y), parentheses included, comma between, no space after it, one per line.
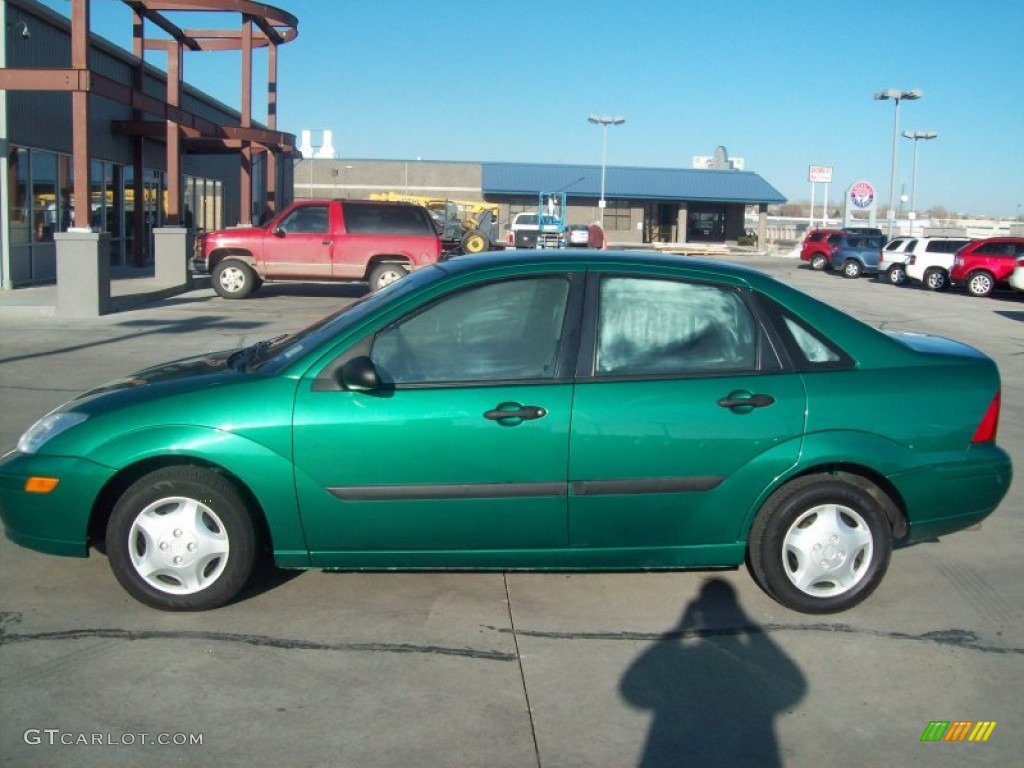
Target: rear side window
(650,326)
(996,249)
(387,220)
(945,246)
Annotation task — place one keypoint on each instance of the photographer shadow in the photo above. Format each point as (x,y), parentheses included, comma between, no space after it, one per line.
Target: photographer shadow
(715,684)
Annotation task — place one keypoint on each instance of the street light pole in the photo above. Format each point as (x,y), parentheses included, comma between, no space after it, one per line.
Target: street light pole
(604,121)
(916,136)
(895,94)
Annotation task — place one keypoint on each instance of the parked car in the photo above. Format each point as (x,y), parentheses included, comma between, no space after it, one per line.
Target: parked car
(855,255)
(355,240)
(984,264)
(891,267)
(930,260)
(528,410)
(577,235)
(815,247)
(1017,276)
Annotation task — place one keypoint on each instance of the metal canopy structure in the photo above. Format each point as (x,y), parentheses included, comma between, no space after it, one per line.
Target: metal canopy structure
(261,26)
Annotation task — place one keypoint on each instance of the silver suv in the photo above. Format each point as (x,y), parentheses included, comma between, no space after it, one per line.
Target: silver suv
(930,260)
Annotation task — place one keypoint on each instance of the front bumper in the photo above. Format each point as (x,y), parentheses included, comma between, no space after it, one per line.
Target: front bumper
(200,266)
(56,522)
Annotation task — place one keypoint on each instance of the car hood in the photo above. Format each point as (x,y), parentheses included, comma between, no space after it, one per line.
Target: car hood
(189,371)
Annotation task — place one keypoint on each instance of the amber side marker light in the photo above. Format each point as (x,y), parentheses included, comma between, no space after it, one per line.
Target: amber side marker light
(41,484)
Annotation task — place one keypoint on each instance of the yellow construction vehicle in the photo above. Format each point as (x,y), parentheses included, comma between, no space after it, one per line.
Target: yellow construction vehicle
(465,226)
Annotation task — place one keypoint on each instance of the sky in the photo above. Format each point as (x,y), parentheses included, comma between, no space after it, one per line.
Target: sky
(783,85)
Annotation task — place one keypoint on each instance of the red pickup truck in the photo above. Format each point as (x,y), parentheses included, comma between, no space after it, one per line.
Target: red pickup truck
(354,240)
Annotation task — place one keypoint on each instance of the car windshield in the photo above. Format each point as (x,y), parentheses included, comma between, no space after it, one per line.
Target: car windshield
(281,351)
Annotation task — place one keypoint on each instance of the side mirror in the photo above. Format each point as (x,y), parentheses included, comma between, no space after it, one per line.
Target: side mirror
(359,375)
(277,232)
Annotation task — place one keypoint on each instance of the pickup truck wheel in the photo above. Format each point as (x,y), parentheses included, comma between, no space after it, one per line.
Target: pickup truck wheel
(980,283)
(936,280)
(474,241)
(386,274)
(897,274)
(233,279)
(852,269)
(818,262)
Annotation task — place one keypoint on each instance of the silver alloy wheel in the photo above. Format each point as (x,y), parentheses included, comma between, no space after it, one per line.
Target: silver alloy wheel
(980,284)
(232,279)
(935,280)
(897,275)
(851,269)
(818,262)
(827,550)
(178,545)
(389,276)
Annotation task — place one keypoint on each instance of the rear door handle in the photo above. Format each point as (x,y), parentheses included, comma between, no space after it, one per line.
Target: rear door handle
(511,414)
(737,400)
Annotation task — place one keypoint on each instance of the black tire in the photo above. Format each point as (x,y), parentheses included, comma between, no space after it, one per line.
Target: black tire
(980,283)
(818,262)
(936,280)
(474,241)
(181,539)
(233,279)
(386,273)
(896,274)
(833,518)
(852,269)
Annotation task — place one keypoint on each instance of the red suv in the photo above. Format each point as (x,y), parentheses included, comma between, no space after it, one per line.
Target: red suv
(815,248)
(984,263)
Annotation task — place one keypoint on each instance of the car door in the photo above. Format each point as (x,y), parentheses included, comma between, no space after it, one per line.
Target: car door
(300,245)
(464,444)
(683,415)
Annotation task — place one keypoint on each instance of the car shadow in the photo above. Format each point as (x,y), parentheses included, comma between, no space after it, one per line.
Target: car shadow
(311,290)
(714,685)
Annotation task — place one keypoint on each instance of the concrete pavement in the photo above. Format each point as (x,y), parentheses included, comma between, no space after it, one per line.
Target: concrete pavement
(503,669)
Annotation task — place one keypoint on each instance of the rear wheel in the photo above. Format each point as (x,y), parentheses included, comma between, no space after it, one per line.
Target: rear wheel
(980,283)
(181,539)
(386,274)
(936,280)
(852,269)
(233,279)
(818,262)
(820,544)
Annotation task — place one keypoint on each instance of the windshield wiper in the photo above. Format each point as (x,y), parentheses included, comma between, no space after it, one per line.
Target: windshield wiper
(244,358)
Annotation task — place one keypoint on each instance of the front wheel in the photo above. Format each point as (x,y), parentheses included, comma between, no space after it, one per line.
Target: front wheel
(980,283)
(820,544)
(897,274)
(852,269)
(474,241)
(233,279)
(181,539)
(386,274)
(936,280)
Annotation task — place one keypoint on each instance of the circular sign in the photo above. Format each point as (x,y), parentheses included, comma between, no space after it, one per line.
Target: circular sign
(862,194)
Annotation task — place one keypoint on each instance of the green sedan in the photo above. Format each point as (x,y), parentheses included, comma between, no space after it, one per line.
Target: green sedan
(553,411)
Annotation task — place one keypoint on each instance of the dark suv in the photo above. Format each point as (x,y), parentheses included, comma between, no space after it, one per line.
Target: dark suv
(984,263)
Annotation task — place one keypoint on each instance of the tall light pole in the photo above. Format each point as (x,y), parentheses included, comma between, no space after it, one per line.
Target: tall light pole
(916,136)
(895,94)
(604,121)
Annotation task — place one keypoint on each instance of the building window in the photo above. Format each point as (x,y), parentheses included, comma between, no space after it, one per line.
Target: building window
(18,209)
(618,215)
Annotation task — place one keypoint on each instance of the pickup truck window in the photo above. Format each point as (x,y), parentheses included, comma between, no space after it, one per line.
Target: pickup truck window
(308,219)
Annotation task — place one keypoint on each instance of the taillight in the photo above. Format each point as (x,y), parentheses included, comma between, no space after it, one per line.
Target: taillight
(986,431)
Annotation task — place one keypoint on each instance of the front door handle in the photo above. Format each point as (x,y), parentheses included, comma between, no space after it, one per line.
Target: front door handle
(746,401)
(511,414)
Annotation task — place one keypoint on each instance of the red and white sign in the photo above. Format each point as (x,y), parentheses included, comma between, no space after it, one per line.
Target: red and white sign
(820,173)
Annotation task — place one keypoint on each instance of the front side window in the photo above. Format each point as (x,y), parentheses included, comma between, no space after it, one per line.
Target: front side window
(649,326)
(502,331)
(306,220)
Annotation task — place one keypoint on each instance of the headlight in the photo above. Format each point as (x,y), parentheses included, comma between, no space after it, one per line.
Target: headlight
(48,427)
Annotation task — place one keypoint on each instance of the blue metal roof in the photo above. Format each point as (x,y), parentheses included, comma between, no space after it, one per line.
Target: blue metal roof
(629,183)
